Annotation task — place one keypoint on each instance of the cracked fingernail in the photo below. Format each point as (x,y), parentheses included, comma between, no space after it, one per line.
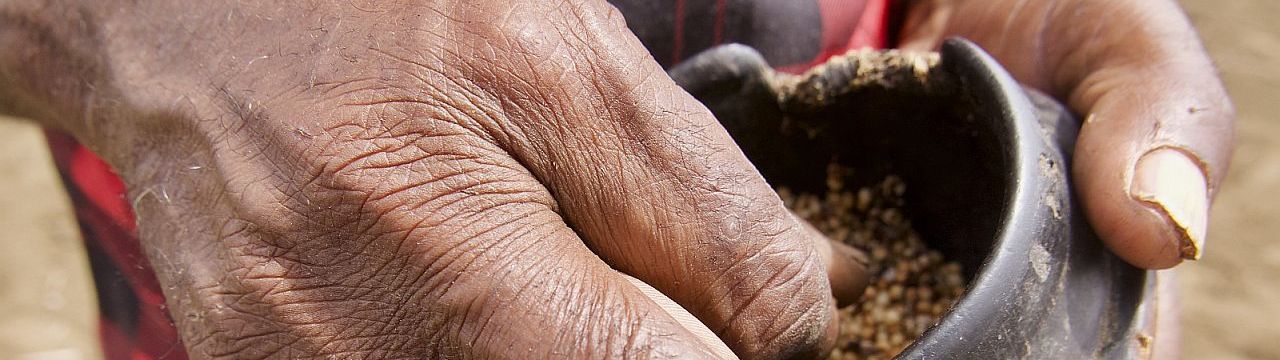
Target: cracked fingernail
(1170,182)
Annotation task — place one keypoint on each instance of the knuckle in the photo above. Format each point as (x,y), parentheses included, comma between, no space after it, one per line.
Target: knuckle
(347,232)
(785,306)
(408,169)
(789,316)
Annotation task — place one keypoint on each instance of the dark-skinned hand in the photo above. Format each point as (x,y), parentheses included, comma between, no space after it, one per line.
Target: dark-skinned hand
(1158,129)
(516,178)
(424,179)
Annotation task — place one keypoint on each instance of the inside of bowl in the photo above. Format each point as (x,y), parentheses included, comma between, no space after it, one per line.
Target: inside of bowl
(880,114)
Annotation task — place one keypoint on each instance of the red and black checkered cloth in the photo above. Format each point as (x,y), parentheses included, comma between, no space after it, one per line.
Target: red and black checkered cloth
(793,35)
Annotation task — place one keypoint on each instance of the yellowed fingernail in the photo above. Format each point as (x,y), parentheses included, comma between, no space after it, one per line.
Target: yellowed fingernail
(1169,181)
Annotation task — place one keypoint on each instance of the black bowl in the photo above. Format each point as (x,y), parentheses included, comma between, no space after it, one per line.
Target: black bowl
(986,168)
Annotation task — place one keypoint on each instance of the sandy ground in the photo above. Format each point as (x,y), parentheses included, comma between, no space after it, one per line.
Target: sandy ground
(47,301)
(1229,299)
(1231,302)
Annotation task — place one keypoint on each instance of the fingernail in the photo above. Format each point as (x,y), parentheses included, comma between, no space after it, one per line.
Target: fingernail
(848,274)
(847,267)
(1170,182)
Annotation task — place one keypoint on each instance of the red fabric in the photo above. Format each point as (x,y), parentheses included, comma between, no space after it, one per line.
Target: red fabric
(872,31)
(847,28)
(107,219)
(677,49)
(144,330)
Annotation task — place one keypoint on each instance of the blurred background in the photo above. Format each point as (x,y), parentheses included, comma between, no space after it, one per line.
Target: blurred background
(1230,299)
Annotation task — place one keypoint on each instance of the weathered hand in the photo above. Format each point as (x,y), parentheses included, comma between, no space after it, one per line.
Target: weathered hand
(1157,136)
(413,179)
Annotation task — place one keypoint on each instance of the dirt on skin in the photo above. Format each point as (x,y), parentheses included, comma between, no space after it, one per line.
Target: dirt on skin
(1229,301)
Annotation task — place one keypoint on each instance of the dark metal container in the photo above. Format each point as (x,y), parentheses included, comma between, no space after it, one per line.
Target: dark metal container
(986,164)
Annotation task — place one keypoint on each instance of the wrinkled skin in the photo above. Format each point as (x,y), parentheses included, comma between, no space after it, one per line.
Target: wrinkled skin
(488,178)
(414,187)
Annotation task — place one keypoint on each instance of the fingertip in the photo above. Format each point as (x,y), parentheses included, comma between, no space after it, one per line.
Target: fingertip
(1142,239)
(847,268)
(1153,214)
(848,274)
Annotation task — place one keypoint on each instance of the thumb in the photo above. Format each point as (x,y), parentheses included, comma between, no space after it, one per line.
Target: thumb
(1150,156)
(1158,124)
(1156,140)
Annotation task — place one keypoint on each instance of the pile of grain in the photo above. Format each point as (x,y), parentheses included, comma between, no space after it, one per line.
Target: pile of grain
(911,285)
